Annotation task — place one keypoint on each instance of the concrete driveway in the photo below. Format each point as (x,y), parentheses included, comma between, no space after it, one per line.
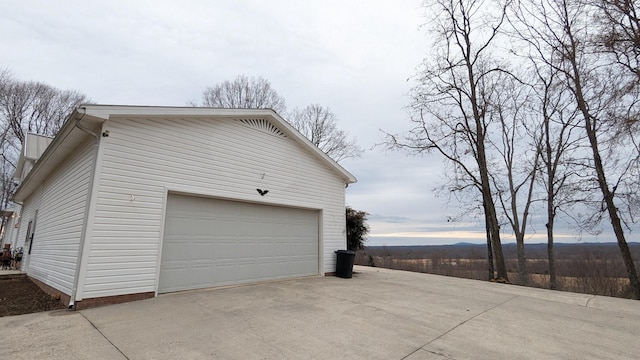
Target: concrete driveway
(379,314)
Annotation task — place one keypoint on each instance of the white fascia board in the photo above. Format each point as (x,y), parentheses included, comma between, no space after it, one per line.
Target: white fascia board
(106,111)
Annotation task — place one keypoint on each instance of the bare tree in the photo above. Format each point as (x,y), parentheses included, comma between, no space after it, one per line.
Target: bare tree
(516,182)
(244,93)
(619,22)
(28,107)
(619,37)
(602,97)
(453,99)
(554,129)
(590,89)
(557,141)
(36,107)
(319,125)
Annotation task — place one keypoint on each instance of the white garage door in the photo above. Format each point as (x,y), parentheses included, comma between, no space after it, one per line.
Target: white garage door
(211,242)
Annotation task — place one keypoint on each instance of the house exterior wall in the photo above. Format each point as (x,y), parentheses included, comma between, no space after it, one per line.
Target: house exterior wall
(142,159)
(60,202)
(26,215)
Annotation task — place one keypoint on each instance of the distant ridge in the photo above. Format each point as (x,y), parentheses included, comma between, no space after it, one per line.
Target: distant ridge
(477,251)
(595,243)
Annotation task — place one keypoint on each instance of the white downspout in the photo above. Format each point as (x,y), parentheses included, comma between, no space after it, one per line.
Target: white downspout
(96,146)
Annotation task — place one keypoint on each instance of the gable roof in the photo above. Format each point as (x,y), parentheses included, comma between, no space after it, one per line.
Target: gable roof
(86,121)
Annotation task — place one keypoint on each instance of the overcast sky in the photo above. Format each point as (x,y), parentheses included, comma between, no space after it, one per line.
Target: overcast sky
(353,56)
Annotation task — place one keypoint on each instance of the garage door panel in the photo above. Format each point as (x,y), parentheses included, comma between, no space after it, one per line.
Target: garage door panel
(201,250)
(301,248)
(199,275)
(212,242)
(177,225)
(179,250)
(173,276)
(235,250)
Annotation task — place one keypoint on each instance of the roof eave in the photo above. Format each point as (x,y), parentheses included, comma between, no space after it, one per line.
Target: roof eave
(64,142)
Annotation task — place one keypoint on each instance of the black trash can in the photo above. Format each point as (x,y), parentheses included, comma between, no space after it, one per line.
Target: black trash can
(344,263)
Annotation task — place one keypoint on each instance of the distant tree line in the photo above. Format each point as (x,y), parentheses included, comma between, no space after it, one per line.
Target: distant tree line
(588,268)
(534,105)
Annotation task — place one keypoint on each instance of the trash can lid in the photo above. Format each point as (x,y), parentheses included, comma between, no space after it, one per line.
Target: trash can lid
(350,252)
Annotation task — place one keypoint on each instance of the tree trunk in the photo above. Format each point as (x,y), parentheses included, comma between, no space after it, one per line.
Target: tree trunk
(523,274)
(492,273)
(501,268)
(487,198)
(550,222)
(485,184)
(551,203)
(551,256)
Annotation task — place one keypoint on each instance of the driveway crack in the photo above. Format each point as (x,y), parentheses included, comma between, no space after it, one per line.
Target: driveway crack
(255,332)
(458,325)
(104,336)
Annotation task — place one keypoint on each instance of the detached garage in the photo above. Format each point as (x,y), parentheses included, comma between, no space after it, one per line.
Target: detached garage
(128,202)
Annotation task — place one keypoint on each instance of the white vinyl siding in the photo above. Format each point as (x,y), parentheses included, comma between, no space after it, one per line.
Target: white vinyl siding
(60,201)
(223,158)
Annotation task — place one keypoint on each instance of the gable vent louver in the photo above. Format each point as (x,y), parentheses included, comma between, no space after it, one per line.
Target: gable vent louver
(263,125)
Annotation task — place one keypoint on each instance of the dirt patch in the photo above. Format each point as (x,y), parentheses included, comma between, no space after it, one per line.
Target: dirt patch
(19,295)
